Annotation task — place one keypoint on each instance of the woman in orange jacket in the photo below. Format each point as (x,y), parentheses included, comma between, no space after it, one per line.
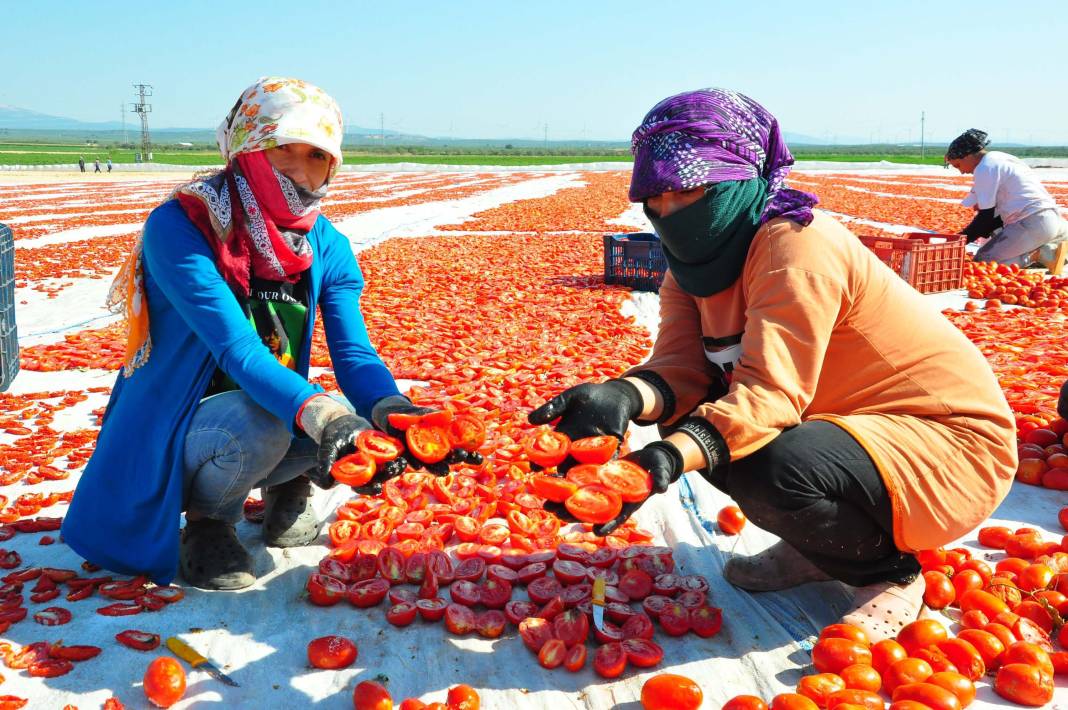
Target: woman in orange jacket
(796,372)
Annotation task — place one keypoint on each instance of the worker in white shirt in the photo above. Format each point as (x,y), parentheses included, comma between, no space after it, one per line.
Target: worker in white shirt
(1014,211)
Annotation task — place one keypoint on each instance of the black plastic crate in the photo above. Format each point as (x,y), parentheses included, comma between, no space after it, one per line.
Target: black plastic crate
(9,341)
(634,260)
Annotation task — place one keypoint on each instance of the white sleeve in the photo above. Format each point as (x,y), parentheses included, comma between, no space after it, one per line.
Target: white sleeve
(985,188)
(970,200)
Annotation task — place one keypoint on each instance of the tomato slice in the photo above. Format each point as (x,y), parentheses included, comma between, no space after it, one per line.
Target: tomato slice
(402,421)
(584,474)
(546,447)
(594,504)
(379,446)
(138,640)
(467,432)
(354,470)
(551,488)
(631,481)
(610,660)
(427,443)
(594,449)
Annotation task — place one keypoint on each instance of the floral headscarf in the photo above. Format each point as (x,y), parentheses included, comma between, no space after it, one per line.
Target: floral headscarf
(275,111)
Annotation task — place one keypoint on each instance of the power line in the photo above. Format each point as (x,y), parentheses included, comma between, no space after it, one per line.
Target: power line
(143,109)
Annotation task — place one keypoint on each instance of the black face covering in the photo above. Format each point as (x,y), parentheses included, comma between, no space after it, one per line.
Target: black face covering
(706,243)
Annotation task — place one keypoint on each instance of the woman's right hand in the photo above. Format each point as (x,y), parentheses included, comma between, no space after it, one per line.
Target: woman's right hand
(338,439)
(604,409)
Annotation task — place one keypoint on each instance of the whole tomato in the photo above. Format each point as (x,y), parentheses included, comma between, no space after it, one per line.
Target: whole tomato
(1024,684)
(369,695)
(667,691)
(164,682)
(332,652)
(731,520)
(463,697)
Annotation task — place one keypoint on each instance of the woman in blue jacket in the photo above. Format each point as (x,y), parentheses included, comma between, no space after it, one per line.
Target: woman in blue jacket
(220,296)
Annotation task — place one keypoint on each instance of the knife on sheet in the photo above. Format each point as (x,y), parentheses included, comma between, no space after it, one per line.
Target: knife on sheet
(598,602)
(181,649)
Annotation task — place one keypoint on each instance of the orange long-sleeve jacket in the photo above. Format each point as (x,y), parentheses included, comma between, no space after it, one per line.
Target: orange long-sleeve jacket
(817,327)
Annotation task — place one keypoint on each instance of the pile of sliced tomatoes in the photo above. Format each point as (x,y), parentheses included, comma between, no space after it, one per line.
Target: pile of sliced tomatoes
(1010,285)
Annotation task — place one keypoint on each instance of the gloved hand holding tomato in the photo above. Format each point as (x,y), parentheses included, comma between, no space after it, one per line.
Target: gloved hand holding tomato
(588,410)
(664,463)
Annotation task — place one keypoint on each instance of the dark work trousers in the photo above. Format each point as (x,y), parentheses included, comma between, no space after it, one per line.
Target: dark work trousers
(816,488)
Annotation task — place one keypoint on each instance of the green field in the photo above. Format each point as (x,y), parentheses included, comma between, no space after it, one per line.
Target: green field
(66,153)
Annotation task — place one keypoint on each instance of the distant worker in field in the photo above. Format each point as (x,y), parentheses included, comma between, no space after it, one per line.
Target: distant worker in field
(1014,211)
(109,164)
(856,438)
(203,411)
(81,163)
(96,165)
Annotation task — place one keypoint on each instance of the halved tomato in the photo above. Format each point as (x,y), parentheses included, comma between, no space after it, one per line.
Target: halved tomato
(427,443)
(594,504)
(631,481)
(551,488)
(379,446)
(467,432)
(354,470)
(584,474)
(546,447)
(594,449)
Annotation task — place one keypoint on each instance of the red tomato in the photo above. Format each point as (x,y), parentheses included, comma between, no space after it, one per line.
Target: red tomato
(76,653)
(643,653)
(706,621)
(671,692)
(463,697)
(552,654)
(632,482)
(745,702)
(1024,684)
(819,687)
(535,632)
(401,421)
(594,504)
(731,520)
(830,655)
(402,613)
(164,682)
(610,660)
(551,488)
(354,470)
(368,593)
(332,652)
(792,701)
(369,695)
(957,684)
(459,619)
(324,590)
(429,444)
(575,659)
(845,631)
(921,634)
(379,446)
(862,677)
(908,670)
(994,536)
(467,432)
(546,447)
(933,696)
(594,449)
(939,591)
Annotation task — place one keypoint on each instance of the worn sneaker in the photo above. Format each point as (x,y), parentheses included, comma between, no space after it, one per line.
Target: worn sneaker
(211,557)
(288,517)
(883,609)
(780,566)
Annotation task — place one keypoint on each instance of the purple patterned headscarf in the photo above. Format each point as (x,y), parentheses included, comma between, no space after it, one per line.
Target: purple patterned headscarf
(713,135)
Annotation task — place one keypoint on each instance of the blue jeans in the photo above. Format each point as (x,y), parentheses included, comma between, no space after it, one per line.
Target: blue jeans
(234,445)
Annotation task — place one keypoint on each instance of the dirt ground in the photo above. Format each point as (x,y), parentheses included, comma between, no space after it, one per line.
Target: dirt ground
(40,177)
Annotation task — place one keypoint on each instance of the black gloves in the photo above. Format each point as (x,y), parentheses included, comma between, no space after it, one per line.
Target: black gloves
(338,439)
(1062,403)
(592,410)
(663,462)
(395,404)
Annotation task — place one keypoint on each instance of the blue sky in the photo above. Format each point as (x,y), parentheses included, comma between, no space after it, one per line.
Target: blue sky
(586,69)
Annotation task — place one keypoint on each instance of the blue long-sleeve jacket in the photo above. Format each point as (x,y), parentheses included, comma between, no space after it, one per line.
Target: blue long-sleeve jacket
(126,510)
